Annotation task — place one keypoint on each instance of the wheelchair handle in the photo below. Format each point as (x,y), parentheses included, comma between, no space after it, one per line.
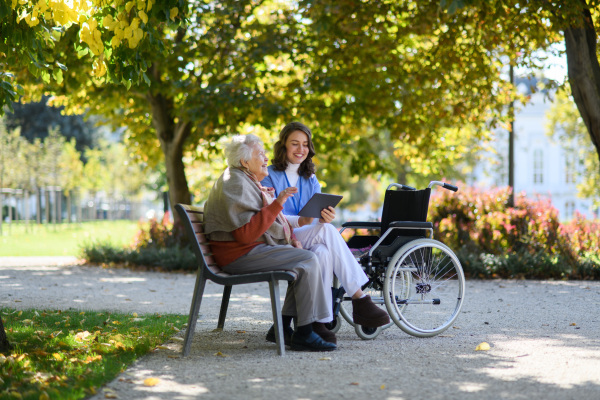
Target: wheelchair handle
(400,186)
(444,185)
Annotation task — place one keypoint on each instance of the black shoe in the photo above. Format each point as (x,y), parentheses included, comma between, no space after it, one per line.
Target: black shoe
(312,342)
(287,335)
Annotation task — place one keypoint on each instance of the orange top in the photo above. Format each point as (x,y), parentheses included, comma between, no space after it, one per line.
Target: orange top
(246,236)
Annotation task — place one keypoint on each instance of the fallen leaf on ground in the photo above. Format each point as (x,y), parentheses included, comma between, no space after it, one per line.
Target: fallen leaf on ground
(151,381)
(219,354)
(482,346)
(325,359)
(572,324)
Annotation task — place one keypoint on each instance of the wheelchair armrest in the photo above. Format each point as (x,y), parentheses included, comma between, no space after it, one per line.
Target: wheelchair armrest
(411,224)
(362,225)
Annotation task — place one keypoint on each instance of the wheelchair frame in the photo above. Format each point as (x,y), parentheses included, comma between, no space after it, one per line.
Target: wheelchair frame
(418,279)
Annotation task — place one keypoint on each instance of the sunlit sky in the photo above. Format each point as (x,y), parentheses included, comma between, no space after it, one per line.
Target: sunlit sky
(555,68)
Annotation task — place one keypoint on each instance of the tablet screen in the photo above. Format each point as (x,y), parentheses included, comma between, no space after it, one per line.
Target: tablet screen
(318,202)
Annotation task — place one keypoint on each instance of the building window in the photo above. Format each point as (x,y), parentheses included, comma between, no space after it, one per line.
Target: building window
(538,166)
(569,209)
(570,164)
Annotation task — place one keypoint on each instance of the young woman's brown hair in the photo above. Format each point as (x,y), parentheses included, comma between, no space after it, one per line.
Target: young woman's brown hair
(280,162)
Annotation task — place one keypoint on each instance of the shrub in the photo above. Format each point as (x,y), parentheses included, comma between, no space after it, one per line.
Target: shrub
(524,241)
(157,244)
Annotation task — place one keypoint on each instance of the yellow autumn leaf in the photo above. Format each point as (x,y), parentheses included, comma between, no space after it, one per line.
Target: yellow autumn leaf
(483,346)
(143,16)
(129,6)
(219,354)
(572,324)
(382,387)
(57,356)
(44,396)
(151,381)
(173,12)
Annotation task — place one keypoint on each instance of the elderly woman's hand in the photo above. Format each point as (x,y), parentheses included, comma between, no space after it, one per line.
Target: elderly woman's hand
(327,215)
(286,194)
(296,244)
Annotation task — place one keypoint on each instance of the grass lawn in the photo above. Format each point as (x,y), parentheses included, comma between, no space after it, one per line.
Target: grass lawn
(62,239)
(70,354)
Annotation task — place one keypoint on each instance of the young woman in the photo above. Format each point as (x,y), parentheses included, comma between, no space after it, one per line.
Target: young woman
(292,167)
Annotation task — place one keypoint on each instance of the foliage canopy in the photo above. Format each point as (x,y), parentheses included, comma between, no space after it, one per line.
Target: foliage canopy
(182,74)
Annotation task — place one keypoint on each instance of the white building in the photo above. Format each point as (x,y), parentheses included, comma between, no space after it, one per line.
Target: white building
(542,166)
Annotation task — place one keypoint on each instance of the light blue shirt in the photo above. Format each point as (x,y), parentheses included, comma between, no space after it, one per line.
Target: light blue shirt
(306,189)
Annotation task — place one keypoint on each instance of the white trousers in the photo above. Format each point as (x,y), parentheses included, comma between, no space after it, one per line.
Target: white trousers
(335,258)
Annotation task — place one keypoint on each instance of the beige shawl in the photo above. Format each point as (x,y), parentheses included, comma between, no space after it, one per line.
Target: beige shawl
(232,202)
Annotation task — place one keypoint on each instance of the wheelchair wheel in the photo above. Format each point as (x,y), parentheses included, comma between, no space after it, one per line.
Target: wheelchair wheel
(346,312)
(426,285)
(367,333)
(335,325)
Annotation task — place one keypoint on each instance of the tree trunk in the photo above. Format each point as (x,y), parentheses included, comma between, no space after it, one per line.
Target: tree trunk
(584,73)
(38,205)
(172,137)
(4,343)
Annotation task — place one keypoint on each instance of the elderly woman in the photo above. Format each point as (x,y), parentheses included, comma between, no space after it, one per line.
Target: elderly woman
(293,168)
(248,233)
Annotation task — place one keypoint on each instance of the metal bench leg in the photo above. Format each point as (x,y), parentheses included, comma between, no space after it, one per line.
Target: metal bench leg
(194,310)
(275,306)
(224,305)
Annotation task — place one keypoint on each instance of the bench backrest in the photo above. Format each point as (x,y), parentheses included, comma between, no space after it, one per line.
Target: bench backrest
(193,220)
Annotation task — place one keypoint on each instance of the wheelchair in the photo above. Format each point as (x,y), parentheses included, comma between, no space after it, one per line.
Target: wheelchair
(417,279)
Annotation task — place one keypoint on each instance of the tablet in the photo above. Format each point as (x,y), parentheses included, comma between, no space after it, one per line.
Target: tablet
(318,202)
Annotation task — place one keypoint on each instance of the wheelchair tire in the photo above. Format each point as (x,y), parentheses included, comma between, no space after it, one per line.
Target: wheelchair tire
(367,333)
(346,309)
(335,325)
(427,282)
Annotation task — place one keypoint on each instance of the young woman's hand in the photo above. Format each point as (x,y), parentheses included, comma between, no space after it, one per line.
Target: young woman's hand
(305,221)
(327,215)
(296,244)
(286,194)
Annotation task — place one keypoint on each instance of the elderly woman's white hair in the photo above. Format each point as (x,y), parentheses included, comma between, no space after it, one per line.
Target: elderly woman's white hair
(240,148)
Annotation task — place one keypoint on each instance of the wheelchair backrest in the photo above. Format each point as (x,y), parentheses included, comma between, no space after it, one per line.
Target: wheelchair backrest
(404,205)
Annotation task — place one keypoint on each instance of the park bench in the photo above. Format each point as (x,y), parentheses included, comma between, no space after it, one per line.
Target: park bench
(192,218)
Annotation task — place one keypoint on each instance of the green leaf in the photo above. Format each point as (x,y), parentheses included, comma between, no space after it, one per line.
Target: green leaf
(58,75)
(45,76)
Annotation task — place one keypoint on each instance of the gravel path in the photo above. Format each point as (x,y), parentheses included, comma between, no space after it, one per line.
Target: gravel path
(544,337)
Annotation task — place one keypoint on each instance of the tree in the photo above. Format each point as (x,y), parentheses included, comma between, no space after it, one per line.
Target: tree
(571,20)
(10,143)
(72,173)
(352,70)
(4,343)
(70,126)
(213,76)
(566,127)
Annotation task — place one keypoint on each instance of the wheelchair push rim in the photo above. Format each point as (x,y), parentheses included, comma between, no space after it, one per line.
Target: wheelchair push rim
(426,285)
